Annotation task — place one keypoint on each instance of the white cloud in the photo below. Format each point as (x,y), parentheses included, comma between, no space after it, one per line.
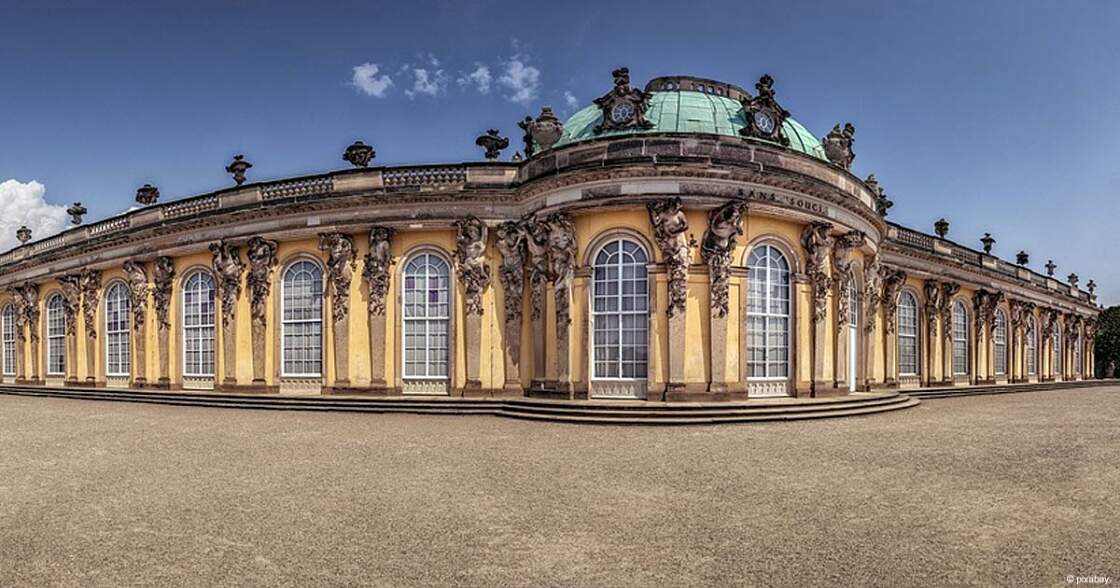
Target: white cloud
(479,78)
(26,204)
(570,99)
(521,79)
(367,80)
(426,82)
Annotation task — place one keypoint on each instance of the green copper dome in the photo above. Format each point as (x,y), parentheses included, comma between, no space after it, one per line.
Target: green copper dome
(687,112)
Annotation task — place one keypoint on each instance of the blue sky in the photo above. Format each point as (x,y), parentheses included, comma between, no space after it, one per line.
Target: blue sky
(1000,116)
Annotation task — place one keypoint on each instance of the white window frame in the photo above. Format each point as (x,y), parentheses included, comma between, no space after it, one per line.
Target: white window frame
(597,316)
(56,335)
(122,336)
(8,339)
(1056,357)
(914,336)
(999,343)
(960,337)
(286,323)
(767,315)
(428,320)
(1032,347)
(201,328)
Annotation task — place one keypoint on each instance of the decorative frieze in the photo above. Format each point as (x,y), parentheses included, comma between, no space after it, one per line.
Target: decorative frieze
(724,224)
(670,226)
(470,256)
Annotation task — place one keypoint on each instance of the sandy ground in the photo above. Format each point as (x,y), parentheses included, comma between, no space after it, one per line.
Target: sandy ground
(1016,489)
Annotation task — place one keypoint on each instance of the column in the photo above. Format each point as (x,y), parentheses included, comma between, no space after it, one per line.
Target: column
(71,297)
(163,277)
(138,291)
(670,231)
(91,286)
(228,267)
(341,262)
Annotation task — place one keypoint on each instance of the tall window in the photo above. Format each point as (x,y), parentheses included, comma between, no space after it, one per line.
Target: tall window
(1032,347)
(56,337)
(117,342)
(198,325)
(302,325)
(907,335)
(1056,369)
(767,313)
(621,311)
(8,330)
(960,339)
(427,312)
(1077,354)
(999,341)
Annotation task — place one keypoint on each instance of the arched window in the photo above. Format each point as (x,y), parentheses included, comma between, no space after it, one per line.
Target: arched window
(198,325)
(56,337)
(1032,347)
(302,324)
(621,311)
(768,314)
(426,317)
(907,335)
(999,341)
(8,332)
(960,339)
(117,342)
(1056,368)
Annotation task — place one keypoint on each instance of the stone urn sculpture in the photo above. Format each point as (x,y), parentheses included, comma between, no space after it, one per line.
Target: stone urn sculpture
(546,130)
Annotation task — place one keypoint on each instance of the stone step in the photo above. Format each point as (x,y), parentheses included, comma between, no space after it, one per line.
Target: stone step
(706,412)
(596,419)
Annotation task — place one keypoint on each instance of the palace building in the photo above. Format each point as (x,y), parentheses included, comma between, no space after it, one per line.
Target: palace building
(685,241)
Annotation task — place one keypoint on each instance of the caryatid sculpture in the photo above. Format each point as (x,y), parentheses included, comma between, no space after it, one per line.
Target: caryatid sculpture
(91,287)
(670,226)
(724,224)
(470,255)
(842,271)
(562,263)
(512,236)
(341,263)
(71,285)
(138,291)
(817,241)
(892,292)
(228,266)
(536,245)
(376,270)
(872,291)
(163,278)
(262,259)
(511,244)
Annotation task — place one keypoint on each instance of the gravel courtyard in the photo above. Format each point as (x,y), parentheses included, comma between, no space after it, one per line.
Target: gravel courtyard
(1017,489)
